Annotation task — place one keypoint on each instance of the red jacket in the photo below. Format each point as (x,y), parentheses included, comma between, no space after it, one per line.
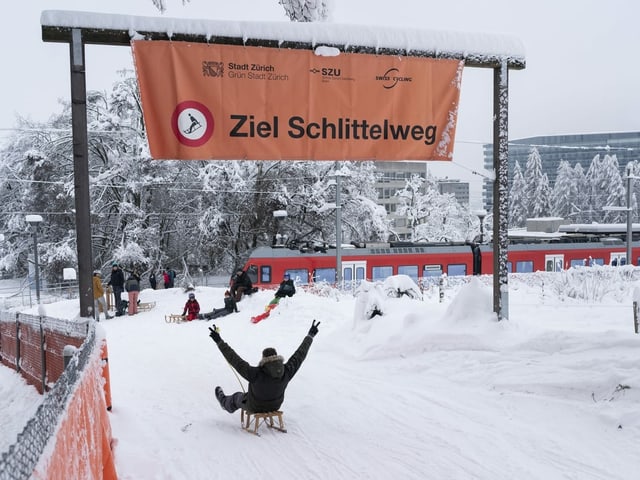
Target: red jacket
(191,308)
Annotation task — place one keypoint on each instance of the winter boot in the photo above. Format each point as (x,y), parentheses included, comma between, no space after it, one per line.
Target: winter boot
(220,396)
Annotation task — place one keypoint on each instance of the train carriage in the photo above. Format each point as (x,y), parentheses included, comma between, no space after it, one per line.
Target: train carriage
(425,263)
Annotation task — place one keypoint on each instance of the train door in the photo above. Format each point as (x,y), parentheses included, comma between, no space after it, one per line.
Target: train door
(353,273)
(554,263)
(618,258)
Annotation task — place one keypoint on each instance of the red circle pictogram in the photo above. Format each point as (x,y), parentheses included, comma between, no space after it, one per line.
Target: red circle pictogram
(192,123)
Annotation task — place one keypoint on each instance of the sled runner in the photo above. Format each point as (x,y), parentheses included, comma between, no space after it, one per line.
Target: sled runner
(146,306)
(173,318)
(267,311)
(251,421)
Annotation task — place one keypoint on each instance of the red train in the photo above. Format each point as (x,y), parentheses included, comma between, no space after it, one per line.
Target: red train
(423,261)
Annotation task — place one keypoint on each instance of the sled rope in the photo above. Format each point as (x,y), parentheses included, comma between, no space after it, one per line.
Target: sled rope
(237,376)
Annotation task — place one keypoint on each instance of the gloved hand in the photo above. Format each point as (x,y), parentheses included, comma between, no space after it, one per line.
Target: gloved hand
(213,333)
(314,328)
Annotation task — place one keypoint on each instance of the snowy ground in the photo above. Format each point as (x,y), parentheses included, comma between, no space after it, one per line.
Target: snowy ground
(429,391)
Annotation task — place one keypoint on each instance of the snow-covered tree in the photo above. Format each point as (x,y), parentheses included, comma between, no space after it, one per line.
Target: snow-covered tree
(564,191)
(537,191)
(296,10)
(517,199)
(581,206)
(307,10)
(433,216)
(616,191)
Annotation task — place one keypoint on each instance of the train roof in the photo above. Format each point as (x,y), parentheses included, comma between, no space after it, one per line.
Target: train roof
(604,234)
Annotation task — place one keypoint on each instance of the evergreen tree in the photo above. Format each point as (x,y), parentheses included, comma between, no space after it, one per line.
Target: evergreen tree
(537,190)
(517,199)
(581,205)
(564,191)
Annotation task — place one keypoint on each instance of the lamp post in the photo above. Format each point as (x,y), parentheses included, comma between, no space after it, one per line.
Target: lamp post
(35,221)
(338,176)
(481,214)
(278,215)
(629,210)
(629,177)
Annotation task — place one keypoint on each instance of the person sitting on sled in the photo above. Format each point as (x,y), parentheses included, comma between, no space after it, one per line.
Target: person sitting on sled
(191,308)
(241,284)
(287,288)
(230,306)
(268,381)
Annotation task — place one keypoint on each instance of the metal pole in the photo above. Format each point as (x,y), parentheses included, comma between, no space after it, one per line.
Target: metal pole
(338,233)
(629,224)
(81,172)
(35,261)
(500,190)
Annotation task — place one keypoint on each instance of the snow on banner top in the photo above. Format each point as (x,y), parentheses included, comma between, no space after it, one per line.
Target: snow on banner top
(477,49)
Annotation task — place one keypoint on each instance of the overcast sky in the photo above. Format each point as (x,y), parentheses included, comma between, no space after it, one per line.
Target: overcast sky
(582,72)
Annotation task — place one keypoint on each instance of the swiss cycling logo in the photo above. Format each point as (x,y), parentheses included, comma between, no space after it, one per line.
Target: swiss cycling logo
(392,77)
(192,123)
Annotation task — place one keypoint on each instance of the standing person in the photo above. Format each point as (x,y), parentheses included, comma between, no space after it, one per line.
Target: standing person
(152,280)
(98,296)
(268,381)
(230,306)
(172,277)
(116,281)
(191,308)
(132,286)
(165,279)
(287,288)
(241,285)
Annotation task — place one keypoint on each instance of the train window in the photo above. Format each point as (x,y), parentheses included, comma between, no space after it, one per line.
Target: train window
(456,269)
(524,266)
(325,275)
(265,274)
(359,273)
(252,271)
(578,262)
(300,276)
(381,273)
(410,271)
(595,261)
(509,267)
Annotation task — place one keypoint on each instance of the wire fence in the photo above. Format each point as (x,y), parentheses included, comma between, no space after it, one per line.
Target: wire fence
(20,460)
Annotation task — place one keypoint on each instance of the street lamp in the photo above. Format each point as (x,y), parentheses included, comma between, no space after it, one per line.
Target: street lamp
(278,215)
(35,221)
(339,278)
(481,214)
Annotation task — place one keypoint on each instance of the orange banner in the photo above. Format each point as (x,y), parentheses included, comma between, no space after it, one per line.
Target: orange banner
(232,102)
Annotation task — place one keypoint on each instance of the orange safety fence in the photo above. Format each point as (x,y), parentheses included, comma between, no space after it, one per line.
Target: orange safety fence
(104,357)
(82,445)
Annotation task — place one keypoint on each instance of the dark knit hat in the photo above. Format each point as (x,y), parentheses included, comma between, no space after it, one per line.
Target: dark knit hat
(269,352)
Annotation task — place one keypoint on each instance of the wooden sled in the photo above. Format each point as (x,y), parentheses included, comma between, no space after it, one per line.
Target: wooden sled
(173,318)
(250,422)
(146,306)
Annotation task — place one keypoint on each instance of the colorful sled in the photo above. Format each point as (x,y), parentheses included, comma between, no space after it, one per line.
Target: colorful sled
(267,311)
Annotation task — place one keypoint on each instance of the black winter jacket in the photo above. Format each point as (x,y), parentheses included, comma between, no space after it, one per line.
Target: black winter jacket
(286,289)
(269,380)
(242,280)
(117,278)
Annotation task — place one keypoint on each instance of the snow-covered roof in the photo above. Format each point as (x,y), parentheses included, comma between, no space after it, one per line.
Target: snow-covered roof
(477,49)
